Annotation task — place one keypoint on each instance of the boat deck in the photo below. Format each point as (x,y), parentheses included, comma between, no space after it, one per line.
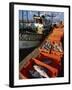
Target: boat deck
(51,51)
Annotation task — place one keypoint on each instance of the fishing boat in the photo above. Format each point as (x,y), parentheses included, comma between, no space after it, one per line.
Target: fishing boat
(31,35)
(49,55)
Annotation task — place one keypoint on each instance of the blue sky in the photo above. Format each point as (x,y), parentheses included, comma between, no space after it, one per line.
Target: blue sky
(58,15)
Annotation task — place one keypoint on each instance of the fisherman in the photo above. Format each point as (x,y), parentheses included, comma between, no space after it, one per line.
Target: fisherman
(39,25)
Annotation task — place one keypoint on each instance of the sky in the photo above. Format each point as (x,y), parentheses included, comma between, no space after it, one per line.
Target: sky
(58,15)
